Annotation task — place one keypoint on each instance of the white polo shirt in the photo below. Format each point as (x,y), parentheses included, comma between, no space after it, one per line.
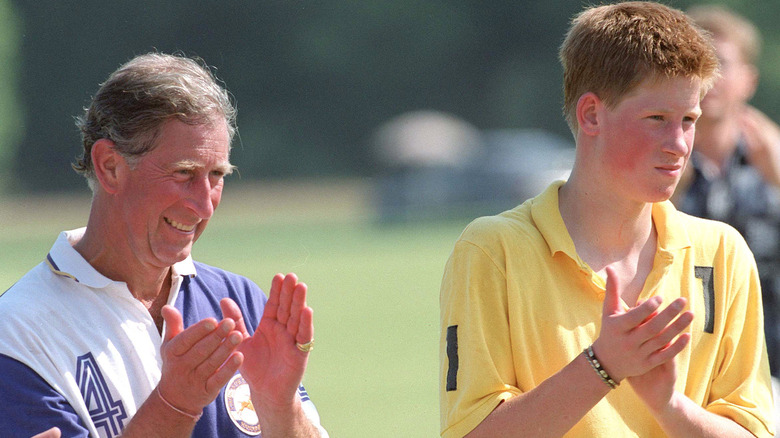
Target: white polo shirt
(79,352)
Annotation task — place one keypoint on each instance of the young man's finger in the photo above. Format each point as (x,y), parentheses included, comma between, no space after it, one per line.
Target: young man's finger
(652,326)
(612,294)
(671,331)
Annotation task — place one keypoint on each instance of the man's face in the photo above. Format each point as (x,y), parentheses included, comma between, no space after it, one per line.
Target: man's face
(646,139)
(169,197)
(735,86)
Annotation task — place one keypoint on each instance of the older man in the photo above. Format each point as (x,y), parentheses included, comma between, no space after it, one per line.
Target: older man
(119,331)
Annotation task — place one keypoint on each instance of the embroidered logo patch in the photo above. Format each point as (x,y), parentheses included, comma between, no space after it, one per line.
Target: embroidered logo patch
(238,403)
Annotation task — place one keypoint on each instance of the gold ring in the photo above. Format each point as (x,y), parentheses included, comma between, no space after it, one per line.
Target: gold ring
(307,347)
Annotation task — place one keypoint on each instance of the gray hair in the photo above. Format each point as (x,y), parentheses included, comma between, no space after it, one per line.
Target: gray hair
(139,97)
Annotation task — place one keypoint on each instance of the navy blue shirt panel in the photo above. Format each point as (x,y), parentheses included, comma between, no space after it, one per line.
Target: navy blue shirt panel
(29,405)
(199,298)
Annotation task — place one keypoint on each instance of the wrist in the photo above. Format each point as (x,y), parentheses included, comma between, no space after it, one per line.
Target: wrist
(282,410)
(282,419)
(599,369)
(673,406)
(193,416)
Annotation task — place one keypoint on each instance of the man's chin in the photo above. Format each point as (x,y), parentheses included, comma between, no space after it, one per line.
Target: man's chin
(169,258)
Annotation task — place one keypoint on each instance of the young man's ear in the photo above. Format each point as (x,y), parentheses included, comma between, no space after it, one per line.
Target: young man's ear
(588,107)
(106,161)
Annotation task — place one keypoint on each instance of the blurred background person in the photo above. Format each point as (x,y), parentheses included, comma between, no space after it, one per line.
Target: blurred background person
(734,171)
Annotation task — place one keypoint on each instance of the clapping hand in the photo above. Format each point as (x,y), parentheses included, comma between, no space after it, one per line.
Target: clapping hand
(640,343)
(273,362)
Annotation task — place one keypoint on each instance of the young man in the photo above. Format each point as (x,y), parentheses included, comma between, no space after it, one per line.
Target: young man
(734,171)
(119,331)
(596,309)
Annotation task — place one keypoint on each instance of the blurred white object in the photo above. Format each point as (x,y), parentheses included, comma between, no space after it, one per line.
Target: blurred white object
(426,138)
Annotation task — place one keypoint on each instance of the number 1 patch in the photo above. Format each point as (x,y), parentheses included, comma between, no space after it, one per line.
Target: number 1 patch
(452,357)
(705,273)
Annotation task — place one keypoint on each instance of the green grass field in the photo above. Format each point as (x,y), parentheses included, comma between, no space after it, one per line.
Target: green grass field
(374,289)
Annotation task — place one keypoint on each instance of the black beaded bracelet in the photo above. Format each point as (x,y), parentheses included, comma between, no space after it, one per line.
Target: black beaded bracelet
(591,357)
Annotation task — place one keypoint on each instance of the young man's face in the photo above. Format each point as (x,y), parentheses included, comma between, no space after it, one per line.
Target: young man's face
(169,197)
(645,141)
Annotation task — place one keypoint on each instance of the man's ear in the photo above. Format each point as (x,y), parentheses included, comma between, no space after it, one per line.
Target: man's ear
(106,162)
(588,107)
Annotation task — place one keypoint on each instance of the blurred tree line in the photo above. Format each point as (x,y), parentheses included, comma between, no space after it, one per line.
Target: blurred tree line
(312,79)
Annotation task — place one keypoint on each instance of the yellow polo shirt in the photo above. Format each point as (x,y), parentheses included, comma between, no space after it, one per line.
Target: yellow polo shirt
(518,304)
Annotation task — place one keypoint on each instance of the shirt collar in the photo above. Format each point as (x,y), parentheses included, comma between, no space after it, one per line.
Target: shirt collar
(65,261)
(547,218)
(672,235)
(546,214)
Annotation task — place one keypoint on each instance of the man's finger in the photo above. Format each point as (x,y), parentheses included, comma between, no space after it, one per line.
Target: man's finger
(54,432)
(272,305)
(612,295)
(665,337)
(173,322)
(219,355)
(670,351)
(185,340)
(641,314)
(223,375)
(231,310)
(658,321)
(208,345)
(285,297)
(305,326)
(298,303)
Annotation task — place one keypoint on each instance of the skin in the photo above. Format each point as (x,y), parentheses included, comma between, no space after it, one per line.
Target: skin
(628,157)
(54,432)
(161,206)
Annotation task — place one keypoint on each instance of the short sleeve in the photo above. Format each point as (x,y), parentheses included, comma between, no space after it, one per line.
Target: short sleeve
(476,367)
(741,387)
(29,405)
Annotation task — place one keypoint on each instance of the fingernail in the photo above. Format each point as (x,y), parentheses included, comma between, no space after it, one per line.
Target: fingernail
(225,327)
